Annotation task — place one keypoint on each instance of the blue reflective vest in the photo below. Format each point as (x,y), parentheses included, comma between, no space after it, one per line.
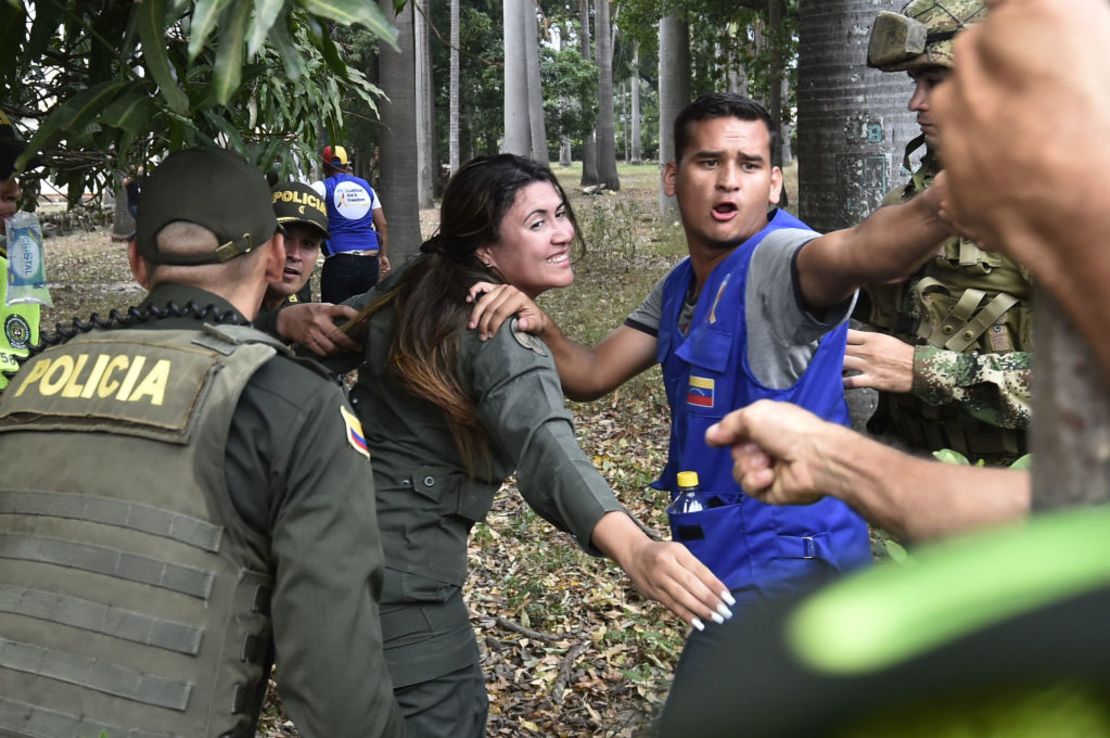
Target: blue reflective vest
(706,371)
(350,214)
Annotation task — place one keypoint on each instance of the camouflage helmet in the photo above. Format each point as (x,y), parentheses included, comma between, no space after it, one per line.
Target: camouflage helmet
(921,35)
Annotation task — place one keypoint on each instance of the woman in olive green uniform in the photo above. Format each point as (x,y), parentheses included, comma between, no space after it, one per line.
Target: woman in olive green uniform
(449,417)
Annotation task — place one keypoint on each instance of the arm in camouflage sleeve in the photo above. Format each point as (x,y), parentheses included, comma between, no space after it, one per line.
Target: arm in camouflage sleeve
(994,388)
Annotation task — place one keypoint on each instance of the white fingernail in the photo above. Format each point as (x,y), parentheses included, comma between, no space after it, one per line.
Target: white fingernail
(723,609)
(727,597)
(717,618)
(697,623)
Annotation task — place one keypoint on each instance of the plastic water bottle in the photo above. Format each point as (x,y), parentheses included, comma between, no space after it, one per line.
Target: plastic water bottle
(687,500)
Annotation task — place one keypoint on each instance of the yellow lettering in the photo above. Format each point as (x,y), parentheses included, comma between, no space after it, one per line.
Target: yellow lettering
(33,375)
(154,383)
(72,389)
(108,385)
(94,376)
(131,378)
(58,375)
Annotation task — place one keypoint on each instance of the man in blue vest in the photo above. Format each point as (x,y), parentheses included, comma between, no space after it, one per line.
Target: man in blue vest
(358,231)
(757,311)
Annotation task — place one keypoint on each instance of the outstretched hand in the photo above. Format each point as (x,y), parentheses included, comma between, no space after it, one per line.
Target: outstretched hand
(496,303)
(778,451)
(313,325)
(668,573)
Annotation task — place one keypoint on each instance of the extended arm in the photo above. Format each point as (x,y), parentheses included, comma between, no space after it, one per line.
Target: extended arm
(995,388)
(786,455)
(521,407)
(889,244)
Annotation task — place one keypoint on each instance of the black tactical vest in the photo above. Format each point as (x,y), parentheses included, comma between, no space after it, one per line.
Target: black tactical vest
(132,599)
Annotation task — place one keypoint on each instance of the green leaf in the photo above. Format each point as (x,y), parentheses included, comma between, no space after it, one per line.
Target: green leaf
(13,22)
(229,59)
(204,20)
(286,49)
(72,115)
(948,456)
(896,551)
(47,20)
(130,112)
(350,12)
(266,13)
(150,20)
(331,56)
(1025,463)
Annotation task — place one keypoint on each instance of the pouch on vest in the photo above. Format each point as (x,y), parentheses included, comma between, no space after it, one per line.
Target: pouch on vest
(715,534)
(451,491)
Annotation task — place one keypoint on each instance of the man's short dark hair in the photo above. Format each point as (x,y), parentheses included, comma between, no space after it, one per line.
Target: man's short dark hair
(721,105)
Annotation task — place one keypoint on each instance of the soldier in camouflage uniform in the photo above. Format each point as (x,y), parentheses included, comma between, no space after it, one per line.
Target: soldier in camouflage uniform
(954,369)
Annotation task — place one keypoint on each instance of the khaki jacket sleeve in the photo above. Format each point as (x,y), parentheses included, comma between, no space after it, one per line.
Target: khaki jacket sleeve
(331,670)
(520,403)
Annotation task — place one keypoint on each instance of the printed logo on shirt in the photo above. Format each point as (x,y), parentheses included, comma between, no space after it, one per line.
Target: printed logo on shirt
(354,432)
(17,331)
(351,200)
(700,392)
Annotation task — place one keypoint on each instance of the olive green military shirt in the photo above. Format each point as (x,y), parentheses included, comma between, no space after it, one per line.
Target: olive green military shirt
(294,475)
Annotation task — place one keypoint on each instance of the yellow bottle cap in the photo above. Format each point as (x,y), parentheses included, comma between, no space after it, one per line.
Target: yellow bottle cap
(688,479)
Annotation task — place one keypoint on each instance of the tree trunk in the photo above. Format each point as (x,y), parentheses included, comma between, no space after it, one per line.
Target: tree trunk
(853,122)
(787,129)
(123,225)
(518,133)
(606,133)
(564,152)
(674,92)
(425,119)
(398,146)
(589,144)
(453,93)
(1070,436)
(637,142)
(776,62)
(537,128)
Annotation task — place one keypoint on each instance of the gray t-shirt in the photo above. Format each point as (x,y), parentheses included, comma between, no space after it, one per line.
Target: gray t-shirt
(782,334)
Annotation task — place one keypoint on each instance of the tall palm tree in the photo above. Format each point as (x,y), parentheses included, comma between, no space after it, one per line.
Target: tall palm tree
(398,147)
(453,93)
(589,144)
(538,129)
(637,144)
(674,90)
(425,117)
(606,133)
(853,124)
(518,132)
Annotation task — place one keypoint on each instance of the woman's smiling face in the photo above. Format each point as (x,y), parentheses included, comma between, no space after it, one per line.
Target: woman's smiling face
(536,236)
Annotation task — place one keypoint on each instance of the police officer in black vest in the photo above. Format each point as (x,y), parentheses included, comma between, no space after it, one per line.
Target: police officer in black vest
(184,502)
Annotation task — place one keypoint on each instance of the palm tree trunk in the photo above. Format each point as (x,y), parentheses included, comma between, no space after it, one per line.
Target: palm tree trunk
(453,124)
(674,91)
(425,120)
(606,134)
(637,143)
(853,124)
(589,144)
(538,129)
(518,132)
(398,146)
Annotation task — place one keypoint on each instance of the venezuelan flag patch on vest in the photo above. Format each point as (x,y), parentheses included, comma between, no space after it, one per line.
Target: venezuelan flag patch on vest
(354,432)
(700,392)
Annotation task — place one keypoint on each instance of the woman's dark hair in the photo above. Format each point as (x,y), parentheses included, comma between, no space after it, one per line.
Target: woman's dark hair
(430,298)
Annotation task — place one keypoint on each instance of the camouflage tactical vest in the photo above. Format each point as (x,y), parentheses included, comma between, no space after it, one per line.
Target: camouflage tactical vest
(965,300)
(132,599)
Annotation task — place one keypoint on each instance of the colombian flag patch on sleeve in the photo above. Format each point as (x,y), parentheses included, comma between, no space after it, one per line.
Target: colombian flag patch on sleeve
(354,432)
(700,392)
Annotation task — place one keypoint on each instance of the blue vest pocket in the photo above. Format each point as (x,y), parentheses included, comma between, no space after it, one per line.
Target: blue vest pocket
(715,535)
